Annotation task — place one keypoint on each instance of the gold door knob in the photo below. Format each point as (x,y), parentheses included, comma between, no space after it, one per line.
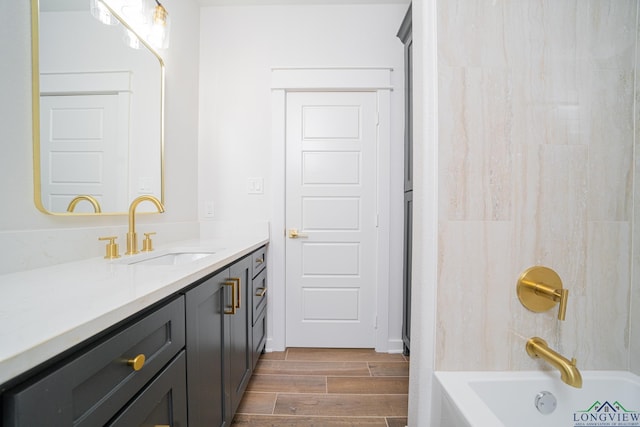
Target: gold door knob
(293,234)
(137,362)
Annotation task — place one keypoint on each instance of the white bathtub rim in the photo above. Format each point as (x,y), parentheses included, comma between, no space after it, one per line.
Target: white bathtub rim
(457,386)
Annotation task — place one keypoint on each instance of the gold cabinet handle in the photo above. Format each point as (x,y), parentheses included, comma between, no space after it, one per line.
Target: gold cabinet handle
(259,260)
(137,362)
(239,292)
(293,234)
(261,292)
(231,310)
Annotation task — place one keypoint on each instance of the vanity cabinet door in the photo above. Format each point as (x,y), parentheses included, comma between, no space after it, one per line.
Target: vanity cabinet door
(162,403)
(219,345)
(205,305)
(239,336)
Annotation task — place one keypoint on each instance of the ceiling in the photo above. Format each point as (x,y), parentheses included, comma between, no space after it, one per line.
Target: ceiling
(50,5)
(294,2)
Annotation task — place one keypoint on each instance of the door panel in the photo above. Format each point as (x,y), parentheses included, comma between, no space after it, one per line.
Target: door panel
(79,149)
(331,202)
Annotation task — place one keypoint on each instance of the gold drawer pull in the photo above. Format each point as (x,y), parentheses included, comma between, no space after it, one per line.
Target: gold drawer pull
(261,292)
(137,362)
(232,310)
(259,260)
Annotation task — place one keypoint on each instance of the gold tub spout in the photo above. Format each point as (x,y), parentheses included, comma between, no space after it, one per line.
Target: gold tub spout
(90,199)
(569,373)
(132,239)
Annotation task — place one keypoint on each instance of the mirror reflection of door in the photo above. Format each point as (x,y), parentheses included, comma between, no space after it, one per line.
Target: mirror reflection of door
(81,150)
(80,56)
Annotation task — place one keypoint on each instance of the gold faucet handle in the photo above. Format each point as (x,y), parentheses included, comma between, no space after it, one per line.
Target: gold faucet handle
(111,248)
(147,243)
(563,295)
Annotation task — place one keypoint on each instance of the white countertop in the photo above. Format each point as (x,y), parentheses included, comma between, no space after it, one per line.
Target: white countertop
(46,311)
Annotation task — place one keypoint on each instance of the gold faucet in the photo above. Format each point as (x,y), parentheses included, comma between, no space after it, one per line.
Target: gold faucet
(569,373)
(132,239)
(90,199)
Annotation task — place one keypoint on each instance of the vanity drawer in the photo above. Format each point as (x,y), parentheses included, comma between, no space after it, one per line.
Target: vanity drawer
(259,260)
(96,383)
(162,403)
(259,294)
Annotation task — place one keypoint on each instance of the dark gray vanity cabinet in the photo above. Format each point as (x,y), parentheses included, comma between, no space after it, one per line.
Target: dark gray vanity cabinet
(184,362)
(220,342)
(109,381)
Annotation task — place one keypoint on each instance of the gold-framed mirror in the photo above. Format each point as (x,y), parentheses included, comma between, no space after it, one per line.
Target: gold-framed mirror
(98,112)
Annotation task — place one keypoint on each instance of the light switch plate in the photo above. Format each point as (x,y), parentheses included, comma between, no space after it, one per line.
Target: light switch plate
(255,185)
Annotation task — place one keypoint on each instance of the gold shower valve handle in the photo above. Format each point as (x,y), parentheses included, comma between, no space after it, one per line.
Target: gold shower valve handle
(540,288)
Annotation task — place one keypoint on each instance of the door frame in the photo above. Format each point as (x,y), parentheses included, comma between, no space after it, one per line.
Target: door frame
(346,79)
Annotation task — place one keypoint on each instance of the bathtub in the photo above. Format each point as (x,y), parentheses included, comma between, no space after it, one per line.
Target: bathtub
(510,399)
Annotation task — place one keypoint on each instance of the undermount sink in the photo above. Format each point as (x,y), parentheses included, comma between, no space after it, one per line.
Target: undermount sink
(174,258)
(171,257)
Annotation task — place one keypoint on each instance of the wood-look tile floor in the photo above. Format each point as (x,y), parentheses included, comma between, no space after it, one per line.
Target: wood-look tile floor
(326,388)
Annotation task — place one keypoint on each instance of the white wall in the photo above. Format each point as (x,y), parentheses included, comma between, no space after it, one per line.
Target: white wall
(239,46)
(29,238)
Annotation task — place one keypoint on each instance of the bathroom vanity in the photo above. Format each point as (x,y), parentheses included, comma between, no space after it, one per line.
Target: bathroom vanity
(124,351)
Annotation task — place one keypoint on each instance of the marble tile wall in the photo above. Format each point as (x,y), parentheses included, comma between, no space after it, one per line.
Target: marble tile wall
(536,152)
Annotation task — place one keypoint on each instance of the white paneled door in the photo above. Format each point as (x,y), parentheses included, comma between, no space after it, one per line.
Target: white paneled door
(331,150)
(79,149)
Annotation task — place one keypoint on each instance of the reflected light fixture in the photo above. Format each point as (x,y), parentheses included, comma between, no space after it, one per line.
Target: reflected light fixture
(160,23)
(102,13)
(147,19)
